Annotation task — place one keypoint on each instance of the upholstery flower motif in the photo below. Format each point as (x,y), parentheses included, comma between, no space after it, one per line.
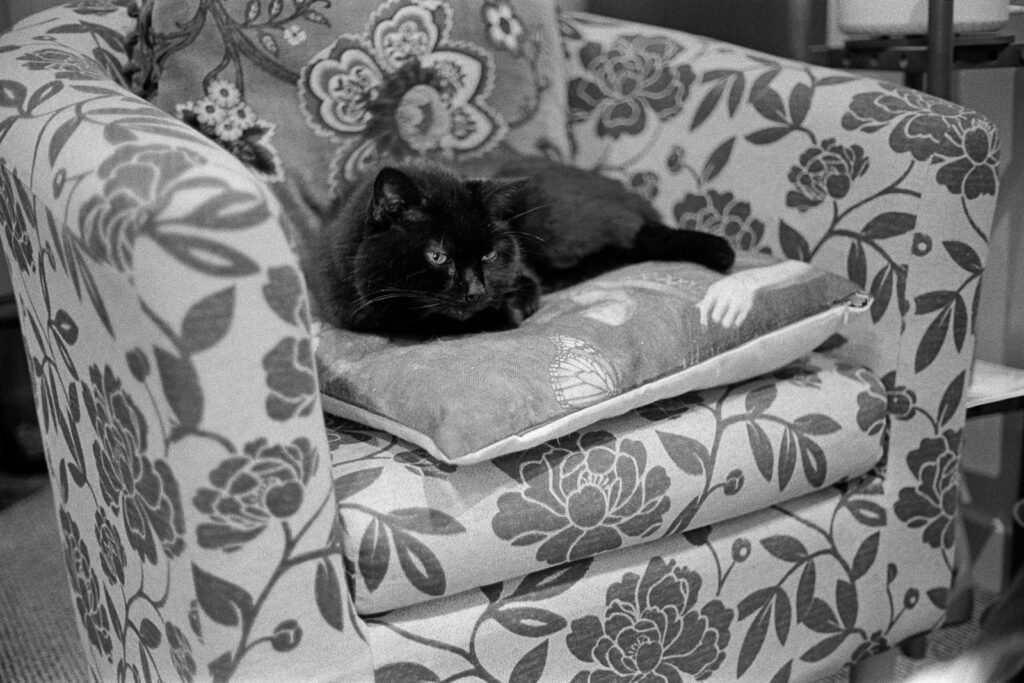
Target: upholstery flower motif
(120,427)
(138,184)
(284,293)
(17,216)
(827,170)
(932,130)
(224,94)
(631,80)
(922,244)
(741,549)
(291,378)
(733,482)
(932,503)
(224,117)
(294,35)
(872,404)
(208,112)
(923,123)
(67,66)
(228,130)
(582,493)
(85,585)
(112,557)
(722,214)
(249,491)
(676,158)
(653,630)
(975,171)
(871,410)
(143,491)
(645,183)
(401,89)
(902,402)
(181,653)
(504,29)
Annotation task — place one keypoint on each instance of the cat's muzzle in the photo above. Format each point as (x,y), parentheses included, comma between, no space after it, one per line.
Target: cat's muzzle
(466,310)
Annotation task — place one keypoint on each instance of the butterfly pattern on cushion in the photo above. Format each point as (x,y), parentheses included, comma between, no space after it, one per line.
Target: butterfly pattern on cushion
(580,375)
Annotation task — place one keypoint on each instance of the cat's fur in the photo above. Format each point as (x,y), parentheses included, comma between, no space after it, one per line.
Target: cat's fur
(421,250)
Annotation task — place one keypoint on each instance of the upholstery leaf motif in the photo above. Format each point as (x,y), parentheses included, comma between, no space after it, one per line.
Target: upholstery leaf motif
(887,185)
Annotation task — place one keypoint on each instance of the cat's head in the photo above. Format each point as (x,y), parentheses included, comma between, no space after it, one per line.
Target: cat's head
(438,244)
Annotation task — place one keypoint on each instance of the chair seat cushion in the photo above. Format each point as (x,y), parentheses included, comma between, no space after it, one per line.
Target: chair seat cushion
(419,528)
(596,350)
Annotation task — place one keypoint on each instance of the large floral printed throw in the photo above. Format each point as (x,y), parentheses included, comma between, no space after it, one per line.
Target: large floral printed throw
(314,92)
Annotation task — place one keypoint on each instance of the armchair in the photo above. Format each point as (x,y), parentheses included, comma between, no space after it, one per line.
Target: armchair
(215,528)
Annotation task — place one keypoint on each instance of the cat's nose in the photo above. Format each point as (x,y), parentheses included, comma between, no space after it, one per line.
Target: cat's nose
(474,289)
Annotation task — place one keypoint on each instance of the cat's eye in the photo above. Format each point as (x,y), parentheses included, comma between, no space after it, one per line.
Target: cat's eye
(436,258)
(489,256)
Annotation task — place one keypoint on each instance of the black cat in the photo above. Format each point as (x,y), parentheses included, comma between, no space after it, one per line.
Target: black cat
(421,250)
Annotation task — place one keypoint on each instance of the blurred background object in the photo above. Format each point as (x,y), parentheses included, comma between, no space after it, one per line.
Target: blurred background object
(21,450)
(782,27)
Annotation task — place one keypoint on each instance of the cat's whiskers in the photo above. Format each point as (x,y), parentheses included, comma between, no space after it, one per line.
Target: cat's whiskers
(520,233)
(428,306)
(528,211)
(388,294)
(424,299)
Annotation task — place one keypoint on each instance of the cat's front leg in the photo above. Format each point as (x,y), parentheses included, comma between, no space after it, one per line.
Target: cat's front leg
(512,309)
(524,300)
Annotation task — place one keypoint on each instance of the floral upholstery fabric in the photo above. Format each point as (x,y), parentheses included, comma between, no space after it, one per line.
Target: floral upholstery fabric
(307,94)
(668,610)
(669,467)
(142,255)
(166,323)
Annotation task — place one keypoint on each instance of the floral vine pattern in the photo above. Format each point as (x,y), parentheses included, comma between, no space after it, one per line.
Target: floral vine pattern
(261,36)
(947,149)
(652,626)
(628,81)
(124,404)
(224,117)
(396,79)
(402,89)
(715,535)
(575,511)
(658,473)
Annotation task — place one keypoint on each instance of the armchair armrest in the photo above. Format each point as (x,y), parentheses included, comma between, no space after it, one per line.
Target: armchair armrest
(167,325)
(885,185)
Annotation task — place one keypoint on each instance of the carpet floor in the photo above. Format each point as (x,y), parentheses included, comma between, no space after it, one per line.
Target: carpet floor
(38,637)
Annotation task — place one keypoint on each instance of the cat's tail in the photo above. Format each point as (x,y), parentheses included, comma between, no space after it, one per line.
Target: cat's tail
(657,242)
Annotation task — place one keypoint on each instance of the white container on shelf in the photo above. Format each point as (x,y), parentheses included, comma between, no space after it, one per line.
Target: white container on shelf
(907,17)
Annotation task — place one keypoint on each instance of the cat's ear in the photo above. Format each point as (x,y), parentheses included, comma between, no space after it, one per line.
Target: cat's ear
(393,192)
(502,195)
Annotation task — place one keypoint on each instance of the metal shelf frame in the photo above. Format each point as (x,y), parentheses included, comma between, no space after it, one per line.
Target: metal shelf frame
(928,61)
